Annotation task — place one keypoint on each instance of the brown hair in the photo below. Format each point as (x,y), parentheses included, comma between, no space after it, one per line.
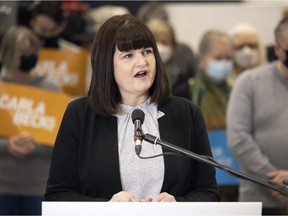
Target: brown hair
(125,32)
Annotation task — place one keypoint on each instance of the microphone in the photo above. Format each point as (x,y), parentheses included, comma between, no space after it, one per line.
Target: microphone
(138,119)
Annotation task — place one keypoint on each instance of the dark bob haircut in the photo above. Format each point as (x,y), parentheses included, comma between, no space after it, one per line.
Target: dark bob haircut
(125,32)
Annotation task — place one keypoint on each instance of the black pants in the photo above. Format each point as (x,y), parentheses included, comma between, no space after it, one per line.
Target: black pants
(274,211)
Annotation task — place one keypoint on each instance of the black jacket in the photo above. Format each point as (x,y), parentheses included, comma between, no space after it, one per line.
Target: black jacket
(85,163)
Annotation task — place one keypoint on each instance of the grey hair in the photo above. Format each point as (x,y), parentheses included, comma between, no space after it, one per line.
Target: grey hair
(209,38)
(11,44)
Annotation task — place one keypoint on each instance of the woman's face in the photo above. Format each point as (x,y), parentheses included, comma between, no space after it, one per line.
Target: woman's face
(165,46)
(247,50)
(25,47)
(134,71)
(245,39)
(44,26)
(24,53)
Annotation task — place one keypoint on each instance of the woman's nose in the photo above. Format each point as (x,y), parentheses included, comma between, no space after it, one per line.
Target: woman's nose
(141,61)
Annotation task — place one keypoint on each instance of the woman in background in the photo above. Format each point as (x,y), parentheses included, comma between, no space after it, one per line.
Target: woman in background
(249,52)
(24,164)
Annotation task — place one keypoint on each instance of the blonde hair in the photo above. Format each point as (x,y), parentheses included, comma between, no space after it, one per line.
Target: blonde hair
(11,44)
(243,28)
(158,26)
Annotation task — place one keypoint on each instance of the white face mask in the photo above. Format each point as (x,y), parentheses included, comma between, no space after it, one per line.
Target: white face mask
(165,52)
(218,70)
(246,57)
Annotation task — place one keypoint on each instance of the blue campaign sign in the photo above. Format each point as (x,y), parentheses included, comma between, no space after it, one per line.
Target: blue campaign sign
(223,155)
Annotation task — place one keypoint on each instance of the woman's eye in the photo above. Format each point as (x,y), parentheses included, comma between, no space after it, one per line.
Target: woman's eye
(127,56)
(148,51)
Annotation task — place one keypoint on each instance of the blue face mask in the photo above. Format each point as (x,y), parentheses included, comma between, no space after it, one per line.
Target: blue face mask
(218,70)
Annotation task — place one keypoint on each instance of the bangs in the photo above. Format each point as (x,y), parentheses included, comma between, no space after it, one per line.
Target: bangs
(133,37)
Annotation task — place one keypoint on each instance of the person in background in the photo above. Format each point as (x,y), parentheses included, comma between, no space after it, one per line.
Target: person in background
(210,90)
(248,50)
(183,63)
(271,55)
(94,157)
(179,70)
(24,164)
(257,124)
(48,22)
(97,16)
(76,28)
(152,10)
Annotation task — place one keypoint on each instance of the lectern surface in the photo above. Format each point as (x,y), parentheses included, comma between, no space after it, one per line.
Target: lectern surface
(151,209)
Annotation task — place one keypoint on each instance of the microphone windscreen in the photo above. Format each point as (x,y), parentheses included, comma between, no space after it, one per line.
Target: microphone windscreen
(138,114)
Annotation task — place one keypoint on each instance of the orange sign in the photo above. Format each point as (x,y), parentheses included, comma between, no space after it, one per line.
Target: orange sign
(66,68)
(34,110)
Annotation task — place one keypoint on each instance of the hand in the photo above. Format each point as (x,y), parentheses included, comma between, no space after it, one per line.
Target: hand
(280,197)
(163,197)
(277,177)
(123,196)
(149,199)
(21,145)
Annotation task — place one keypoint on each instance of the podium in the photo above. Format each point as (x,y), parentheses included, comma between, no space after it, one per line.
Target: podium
(150,208)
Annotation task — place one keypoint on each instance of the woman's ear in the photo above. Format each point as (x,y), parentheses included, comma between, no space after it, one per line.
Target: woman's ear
(278,51)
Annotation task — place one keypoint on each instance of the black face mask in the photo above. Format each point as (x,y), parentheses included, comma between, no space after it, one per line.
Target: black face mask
(28,62)
(49,42)
(285,62)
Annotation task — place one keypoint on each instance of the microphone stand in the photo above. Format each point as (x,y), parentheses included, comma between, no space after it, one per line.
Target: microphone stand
(210,161)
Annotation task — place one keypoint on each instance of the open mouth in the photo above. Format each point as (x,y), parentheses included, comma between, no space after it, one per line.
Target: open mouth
(141,74)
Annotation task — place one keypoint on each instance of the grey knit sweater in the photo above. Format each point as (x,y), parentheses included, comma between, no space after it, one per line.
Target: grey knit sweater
(26,176)
(257,125)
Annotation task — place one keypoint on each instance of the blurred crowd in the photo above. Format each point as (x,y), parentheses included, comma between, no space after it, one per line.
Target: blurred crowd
(239,84)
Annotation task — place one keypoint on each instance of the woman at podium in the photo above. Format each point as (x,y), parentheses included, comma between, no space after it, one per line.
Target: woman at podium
(94,157)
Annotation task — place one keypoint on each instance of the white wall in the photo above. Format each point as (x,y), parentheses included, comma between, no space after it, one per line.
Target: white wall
(191,20)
